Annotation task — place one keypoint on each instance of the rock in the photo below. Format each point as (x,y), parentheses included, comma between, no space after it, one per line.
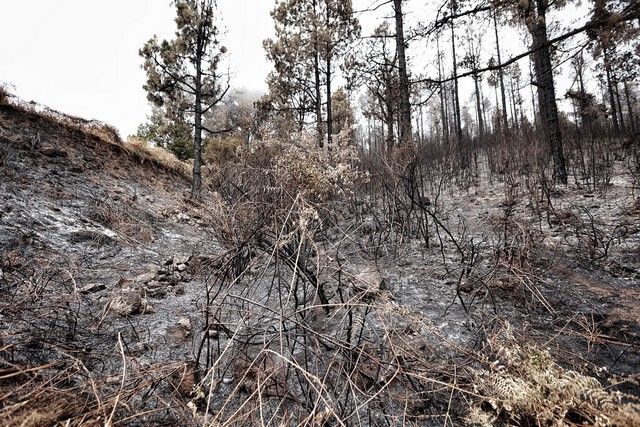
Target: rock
(163,274)
(465,287)
(77,167)
(155,289)
(213,333)
(124,283)
(179,290)
(145,277)
(171,280)
(185,322)
(184,380)
(185,277)
(181,267)
(52,151)
(183,217)
(369,280)
(404,262)
(126,303)
(92,288)
(369,226)
(1,274)
(138,348)
(113,380)
(184,259)
(147,308)
(168,261)
(179,333)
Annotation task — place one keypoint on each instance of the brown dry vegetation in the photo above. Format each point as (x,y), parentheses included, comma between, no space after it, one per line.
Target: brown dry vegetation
(98,131)
(324,288)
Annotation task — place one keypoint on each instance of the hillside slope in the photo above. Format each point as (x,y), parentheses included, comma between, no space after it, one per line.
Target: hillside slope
(86,228)
(119,306)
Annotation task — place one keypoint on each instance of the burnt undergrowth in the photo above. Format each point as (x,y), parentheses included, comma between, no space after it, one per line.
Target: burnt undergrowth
(352,289)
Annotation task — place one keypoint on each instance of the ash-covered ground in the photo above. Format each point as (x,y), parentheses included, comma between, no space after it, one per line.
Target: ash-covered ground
(111,293)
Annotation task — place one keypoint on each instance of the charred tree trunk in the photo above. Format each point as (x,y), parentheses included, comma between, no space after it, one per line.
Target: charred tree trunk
(329,104)
(514,107)
(546,91)
(612,100)
(476,79)
(533,95)
(196,182)
(316,70)
(443,102)
(505,118)
(389,118)
(464,161)
(405,105)
(632,120)
(623,127)
(328,77)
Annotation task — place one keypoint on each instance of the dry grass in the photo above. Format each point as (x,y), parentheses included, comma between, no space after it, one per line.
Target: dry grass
(157,155)
(135,147)
(121,220)
(523,385)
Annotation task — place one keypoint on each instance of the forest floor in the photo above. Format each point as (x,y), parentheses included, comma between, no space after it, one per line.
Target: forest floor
(104,259)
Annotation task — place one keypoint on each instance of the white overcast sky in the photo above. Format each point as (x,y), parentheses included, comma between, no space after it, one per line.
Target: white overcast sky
(81,56)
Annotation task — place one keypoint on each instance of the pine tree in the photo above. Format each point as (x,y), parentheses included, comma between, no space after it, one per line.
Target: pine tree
(534,14)
(375,68)
(182,74)
(312,38)
(403,88)
(171,133)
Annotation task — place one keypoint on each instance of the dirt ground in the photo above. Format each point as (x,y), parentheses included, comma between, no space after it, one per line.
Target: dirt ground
(85,228)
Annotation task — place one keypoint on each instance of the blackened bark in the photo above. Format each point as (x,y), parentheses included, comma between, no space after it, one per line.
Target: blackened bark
(612,100)
(514,108)
(196,182)
(443,101)
(456,96)
(623,127)
(389,121)
(316,70)
(464,161)
(405,105)
(328,77)
(546,91)
(476,77)
(505,118)
(632,120)
(329,104)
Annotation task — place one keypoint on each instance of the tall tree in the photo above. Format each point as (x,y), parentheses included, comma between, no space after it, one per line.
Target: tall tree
(612,41)
(311,40)
(375,68)
(343,117)
(182,74)
(505,118)
(295,83)
(471,61)
(341,28)
(403,87)
(534,14)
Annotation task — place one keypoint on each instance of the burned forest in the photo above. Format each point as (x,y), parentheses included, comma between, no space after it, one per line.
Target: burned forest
(326,213)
